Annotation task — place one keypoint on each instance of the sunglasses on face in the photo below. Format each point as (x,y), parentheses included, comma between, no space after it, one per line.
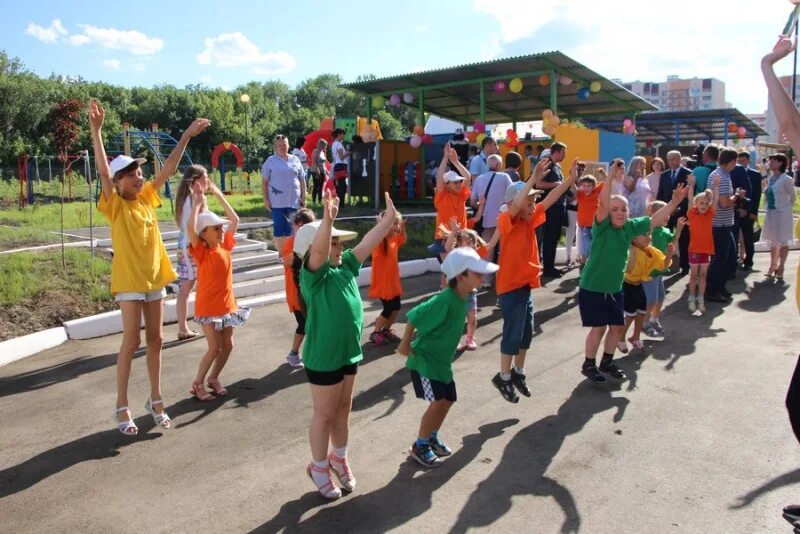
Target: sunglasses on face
(280,137)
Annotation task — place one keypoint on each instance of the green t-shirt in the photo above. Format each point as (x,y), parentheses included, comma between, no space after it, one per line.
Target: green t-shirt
(661,238)
(605,270)
(335,315)
(439,322)
(701,174)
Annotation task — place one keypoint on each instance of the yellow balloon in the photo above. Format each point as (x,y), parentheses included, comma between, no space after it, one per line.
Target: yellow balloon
(378,101)
(595,86)
(515,85)
(480,138)
(547,113)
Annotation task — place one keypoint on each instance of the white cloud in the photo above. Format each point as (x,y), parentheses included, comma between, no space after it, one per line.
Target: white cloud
(621,39)
(131,41)
(236,50)
(206,78)
(46,35)
(113,64)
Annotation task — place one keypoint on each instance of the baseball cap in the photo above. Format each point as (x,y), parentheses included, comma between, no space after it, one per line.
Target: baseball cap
(464,259)
(305,236)
(452,176)
(545,153)
(513,189)
(120,162)
(208,218)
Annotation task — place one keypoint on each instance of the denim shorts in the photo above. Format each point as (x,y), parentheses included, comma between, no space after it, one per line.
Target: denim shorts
(601,309)
(585,241)
(282,221)
(655,290)
(146,296)
(517,309)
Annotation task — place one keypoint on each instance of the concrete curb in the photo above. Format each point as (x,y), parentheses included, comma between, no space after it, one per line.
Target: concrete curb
(21,347)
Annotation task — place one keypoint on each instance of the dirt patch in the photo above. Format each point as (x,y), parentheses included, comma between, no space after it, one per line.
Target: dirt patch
(47,311)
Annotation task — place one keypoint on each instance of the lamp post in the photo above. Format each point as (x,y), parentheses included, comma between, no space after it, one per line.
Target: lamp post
(245,98)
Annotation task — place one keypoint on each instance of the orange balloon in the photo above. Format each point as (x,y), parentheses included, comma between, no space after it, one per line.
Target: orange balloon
(419,130)
(544,79)
(472,137)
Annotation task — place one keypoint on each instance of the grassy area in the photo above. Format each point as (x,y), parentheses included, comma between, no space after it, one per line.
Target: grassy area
(418,230)
(38,293)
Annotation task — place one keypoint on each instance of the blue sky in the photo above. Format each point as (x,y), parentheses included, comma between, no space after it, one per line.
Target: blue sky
(223,44)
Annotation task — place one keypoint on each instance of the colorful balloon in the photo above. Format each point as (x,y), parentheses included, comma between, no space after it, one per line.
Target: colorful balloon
(427,139)
(378,101)
(394,100)
(419,130)
(732,127)
(565,80)
(515,85)
(480,138)
(408,98)
(742,131)
(499,86)
(626,123)
(472,137)
(595,86)
(554,120)
(544,80)
(547,113)
(549,130)
(583,93)
(415,141)
(479,126)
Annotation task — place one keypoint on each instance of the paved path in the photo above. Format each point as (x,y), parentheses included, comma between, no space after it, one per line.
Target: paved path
(697,441)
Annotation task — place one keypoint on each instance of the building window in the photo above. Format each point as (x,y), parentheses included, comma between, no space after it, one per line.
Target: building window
(707,83)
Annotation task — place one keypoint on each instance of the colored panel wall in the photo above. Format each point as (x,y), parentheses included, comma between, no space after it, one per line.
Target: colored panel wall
(616,145)
(581,143)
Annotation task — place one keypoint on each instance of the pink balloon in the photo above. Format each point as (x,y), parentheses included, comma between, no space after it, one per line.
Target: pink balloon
(565,80)
(415,141)
(499,86)
(742,131)
(394,100)
(479,127)
(626,123)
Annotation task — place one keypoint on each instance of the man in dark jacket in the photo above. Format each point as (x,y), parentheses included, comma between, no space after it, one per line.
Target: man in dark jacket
(670,179)
(746,224)
(740,181)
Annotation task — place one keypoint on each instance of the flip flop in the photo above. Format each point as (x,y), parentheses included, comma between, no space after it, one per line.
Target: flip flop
(183,336)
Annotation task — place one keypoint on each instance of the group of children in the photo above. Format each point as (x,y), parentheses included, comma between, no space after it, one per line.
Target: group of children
(620,284)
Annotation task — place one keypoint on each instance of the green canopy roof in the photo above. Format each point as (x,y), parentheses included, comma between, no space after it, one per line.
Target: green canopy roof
(456,92)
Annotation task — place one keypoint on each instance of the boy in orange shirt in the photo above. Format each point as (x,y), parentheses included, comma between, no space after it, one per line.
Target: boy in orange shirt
(701,243)
(385,282)
(588,194)
(519,272)
(450,200)
(291,277)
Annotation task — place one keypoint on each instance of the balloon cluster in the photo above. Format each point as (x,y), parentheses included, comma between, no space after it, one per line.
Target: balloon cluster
(512,139)
(628,127)
(549,122)
(740,131)
(418,140)
(379,101)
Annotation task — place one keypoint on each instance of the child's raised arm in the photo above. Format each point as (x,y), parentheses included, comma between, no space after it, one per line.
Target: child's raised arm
(605,196)
(442,168)
(378,232)
(198,200)
(681,224)
(96,117)
(452,155)
(522,197)
(715,193)
(661,217)
(229,211)
(321,246)
(556,193)
(171,164)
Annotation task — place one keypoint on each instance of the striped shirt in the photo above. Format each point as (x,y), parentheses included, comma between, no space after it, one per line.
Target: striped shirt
(722,216)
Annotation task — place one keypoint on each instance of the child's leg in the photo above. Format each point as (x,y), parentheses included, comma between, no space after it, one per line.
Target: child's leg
(214,340)
(519,359)
(392,318)
(694,279)
(153,312)
(131,339)
(623,330)
(326,404)
(472,323)
(340,431)
(296,342)
(701,279)
(638,321)
(299,332)
(615,333)
(433,417)
(224,353)
(593,339)
(182,305)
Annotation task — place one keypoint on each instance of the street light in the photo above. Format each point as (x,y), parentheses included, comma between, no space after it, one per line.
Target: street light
(245,98)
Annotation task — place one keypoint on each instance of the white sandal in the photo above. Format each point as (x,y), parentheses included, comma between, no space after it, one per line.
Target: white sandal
(161,419)
(345,476)
(127,427)
(328,489)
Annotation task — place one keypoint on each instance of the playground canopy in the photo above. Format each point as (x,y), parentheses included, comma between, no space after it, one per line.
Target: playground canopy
(677,126)
(467,93)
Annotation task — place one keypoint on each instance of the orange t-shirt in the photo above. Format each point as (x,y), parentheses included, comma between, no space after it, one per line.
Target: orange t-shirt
(588,205)
(482,251)
(290,287)
(385,273)
(519,251)
(701,235)
(214,278)
(449,205)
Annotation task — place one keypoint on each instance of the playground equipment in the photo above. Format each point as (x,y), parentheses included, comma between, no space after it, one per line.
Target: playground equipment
(217,163)
(28,170)
(140,143)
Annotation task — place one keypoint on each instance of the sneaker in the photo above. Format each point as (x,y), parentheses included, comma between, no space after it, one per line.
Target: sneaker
(636,343)
(701,305)
(591,372)
(377,339)
(424,455)
(692,304)
(610,369)
(726,294)
(623,347)
(791,513)
(658,327)
(518,379)
(389,334)
(506,388)
(470,344)
(439,448)
(294,360)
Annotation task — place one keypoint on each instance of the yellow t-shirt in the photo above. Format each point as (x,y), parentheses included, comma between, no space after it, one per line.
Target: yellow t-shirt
(644,264)
(140,261)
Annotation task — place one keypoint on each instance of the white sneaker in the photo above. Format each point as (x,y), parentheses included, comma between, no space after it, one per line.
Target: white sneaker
(701,305)
(294,360)
(692,304)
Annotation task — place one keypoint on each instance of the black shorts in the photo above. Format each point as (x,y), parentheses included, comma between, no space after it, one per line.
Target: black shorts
(301,323)
(601,309)
(433,390)
(329,378)
(390,306)
(635,299)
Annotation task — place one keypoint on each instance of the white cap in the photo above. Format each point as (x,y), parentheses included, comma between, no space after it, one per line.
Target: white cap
(545,153)
(305,236)
(120,162)
(514,189)
(452,176)
(208,218)
(466,259)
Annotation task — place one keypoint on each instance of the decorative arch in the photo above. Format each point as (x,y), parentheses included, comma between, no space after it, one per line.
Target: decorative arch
(224,147)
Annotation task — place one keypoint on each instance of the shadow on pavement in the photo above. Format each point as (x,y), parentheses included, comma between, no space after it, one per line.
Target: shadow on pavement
(764,295)
(786,479)
(528,455)
(684,345)
(406,496)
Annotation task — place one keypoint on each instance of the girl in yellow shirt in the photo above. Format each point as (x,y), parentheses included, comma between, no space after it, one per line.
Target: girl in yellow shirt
(141,268)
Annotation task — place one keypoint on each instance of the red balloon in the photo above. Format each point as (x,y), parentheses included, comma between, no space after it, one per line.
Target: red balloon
(427,139)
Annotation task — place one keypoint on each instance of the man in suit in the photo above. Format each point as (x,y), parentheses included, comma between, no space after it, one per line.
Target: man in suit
(747,223)
(670,179)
